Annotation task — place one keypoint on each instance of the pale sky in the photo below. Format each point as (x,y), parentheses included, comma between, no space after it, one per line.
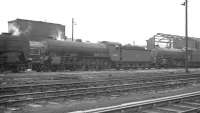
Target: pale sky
(121,21)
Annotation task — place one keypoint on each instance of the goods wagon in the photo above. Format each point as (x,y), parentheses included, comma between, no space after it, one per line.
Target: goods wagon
(14,52)
(163,57)
(193,43)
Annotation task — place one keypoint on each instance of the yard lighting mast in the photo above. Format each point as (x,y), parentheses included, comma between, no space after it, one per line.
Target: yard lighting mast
(186,35)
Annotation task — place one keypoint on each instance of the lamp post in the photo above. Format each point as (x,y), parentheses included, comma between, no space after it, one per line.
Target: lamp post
(186,36)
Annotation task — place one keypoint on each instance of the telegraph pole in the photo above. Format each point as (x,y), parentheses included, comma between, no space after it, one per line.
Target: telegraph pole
(186,36)
(72,29)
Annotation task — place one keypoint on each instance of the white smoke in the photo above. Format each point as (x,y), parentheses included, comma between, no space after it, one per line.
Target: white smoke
(59,35)
(14,29)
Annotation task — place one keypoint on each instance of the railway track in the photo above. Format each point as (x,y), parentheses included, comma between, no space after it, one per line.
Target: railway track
(184,103)
(6,100)
(28,80)
(62,85)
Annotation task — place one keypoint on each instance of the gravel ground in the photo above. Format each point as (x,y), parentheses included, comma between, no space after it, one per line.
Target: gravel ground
(93,73)
(15,78)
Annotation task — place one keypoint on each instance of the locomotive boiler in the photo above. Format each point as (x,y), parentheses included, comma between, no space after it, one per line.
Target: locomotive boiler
(164,57)
(68,55)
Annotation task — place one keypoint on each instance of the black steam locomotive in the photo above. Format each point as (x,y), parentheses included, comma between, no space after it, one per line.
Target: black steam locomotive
(14,52)
(17,53)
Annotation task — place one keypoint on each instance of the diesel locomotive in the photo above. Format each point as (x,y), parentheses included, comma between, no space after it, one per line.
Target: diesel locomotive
(17,53)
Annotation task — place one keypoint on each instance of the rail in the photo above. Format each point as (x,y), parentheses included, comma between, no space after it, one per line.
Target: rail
(138,106)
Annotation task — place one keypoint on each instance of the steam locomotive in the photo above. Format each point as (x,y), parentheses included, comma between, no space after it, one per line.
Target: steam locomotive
(17,53)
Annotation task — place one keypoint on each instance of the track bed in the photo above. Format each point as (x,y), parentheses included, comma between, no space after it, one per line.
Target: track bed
(60,105)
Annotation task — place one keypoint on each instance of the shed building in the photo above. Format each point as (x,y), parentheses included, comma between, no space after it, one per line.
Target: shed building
(36,30)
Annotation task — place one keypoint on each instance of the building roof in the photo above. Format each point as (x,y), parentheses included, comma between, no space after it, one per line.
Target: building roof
(175,36)
(34,21)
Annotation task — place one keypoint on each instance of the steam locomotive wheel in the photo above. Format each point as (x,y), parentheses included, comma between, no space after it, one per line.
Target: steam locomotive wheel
(15,69)
(2,69)
(36,67)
